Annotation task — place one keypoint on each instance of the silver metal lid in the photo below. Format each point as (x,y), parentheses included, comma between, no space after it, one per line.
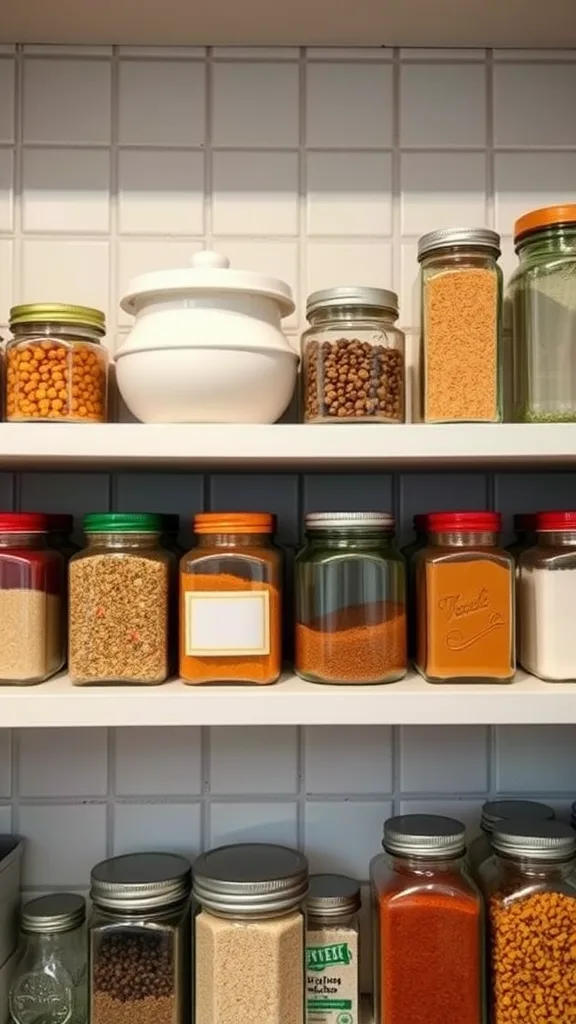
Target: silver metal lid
(448,238)
(58,912)
(250,880)
(494,811)
(357,520)
(140,881)
(538,840)
(424,835)
(333,896)
(353,295)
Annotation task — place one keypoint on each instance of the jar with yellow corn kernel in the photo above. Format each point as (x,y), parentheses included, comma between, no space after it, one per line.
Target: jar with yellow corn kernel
(56,367)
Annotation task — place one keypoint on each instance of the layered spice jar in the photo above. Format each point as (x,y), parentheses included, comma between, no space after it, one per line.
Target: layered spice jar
(353,357)
(350,600)
(464,600)
(230,601)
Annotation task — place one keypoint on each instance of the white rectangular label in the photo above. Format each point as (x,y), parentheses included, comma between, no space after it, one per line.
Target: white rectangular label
(220,623)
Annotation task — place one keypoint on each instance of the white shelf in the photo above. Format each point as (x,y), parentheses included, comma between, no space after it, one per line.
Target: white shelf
(290,702)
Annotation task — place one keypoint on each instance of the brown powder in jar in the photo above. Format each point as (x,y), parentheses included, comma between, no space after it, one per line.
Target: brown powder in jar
(361,644)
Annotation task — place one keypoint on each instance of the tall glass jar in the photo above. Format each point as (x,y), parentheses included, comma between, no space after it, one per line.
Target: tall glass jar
(494,812)
(350,600)
(50,985)
(119,601)
(250,935)
(232,575)
(140,940)
(465,601)
(461,288)
(543,296)
(530,887)
(332,950)
(57,369)
(353,357)
(428,926)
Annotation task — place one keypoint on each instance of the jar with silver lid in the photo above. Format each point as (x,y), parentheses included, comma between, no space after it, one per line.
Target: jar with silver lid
(50,984)
(140,940)
(332,950)
(494,812)
(250,935)
(353,357)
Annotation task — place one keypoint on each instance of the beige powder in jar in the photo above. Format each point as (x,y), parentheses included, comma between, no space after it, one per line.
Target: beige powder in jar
(31,639)
(332,983)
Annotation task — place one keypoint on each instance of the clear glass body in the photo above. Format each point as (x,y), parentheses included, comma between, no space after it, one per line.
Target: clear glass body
(465,609)
(120,589)
(56,372)
(63,543)
(546,593)
(543,297)
(237,576)
(350,607)
(353,367)
(428,942)
(461,351)
(332,969)
(51,981)
(140,966)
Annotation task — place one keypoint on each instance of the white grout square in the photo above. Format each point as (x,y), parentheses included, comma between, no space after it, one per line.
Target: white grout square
(139,256)
(160,193)
(466,811)
(339,263)
(240,761)
(527,181)
(348,759)
(442,759)
(174,828)
(63,843)
(442,190)
(67,101)
(65,193)
(280,259)
(5,767)
(349,193)
(343,837)
(533,759)
(65,271)
(534,104)
(253,823)
(443,105)
(255,193)
(255,104)
(158,761)
(7,75)
(6,190)
(161,103)
(348,106)
(62,762)
(6,291)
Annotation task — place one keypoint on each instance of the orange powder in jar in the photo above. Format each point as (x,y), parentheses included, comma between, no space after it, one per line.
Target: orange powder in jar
(362,644)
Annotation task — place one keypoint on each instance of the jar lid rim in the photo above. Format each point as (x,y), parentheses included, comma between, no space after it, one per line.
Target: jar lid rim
(360,520)
(234,522)
(58,312)
(23,522)
(449,238)
(424,835)
(55,912)
(473,522)
(495,811)
(553,521)
(353,295)
(543,218)
(122,522)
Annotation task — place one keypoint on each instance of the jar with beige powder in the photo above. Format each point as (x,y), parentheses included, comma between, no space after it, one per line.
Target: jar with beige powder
(332,978)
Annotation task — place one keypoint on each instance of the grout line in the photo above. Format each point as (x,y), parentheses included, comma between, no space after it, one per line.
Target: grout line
(18,254)
(208,157)
(111,787)
(396,177)
(205,816)
(490,184)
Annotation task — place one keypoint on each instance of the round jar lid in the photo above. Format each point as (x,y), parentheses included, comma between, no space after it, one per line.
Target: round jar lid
(252,879)
(122,522)
(59,313)
(545,217)
(465,238)
(353,295)
(23,522)
(540,840)
(495,811)
(208,272)
(58,912)
(424,835)
(234,522)
(468,522)
(550,522)
(333,896)
(140,881)
(349,520)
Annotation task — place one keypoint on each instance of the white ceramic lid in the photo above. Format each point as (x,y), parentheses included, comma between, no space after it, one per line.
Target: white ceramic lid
(208,271)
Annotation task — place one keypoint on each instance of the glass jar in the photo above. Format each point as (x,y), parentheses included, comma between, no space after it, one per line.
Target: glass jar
(547,590)
(530,888)
(232,575)
(140,940)
(59,529)
(543,296)
(250,935)
(31,600)
(353,357)
(428,925)
(465,601)
(56,367)
(461,295)
(119,601)
(420,541)
(332,950)
(350,600)
(50,985)
(494,812)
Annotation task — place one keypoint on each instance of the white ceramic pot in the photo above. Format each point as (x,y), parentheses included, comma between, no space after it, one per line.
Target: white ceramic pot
(207,345)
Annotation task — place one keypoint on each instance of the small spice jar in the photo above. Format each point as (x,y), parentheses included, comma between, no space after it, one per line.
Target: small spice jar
(461,284)
(56,367)
(332,950)
(465,600)
(140,940)
(250,935)
(350,600)
(119,601)
(51,982)
(530,887)
(428,925)
(232,575)
(354,361)
(494,812)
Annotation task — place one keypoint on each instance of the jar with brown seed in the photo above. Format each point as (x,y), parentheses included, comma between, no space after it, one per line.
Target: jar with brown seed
(353,357)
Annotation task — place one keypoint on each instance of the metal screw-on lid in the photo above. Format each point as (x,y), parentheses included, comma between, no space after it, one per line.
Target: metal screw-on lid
(333,896)
(60,313)
(356,520)
(354,295)
(495,811)
(140,881)
(251,880)
(58,912)
(467,238)
(424,835)
(538,840)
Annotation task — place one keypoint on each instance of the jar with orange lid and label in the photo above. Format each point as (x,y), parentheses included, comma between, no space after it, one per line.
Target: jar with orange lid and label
(230,601)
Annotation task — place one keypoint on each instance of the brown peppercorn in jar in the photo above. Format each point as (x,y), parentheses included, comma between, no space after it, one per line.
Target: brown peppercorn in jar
(353,357)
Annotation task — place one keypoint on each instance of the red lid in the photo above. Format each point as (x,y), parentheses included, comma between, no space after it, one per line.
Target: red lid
(470,522)
(555,521)
(23,522)
(524,522)
(60,522)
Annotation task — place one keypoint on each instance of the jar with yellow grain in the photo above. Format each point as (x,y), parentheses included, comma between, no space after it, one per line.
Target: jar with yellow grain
(56,366)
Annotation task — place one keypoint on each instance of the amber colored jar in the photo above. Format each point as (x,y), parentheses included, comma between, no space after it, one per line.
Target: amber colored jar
(230,601)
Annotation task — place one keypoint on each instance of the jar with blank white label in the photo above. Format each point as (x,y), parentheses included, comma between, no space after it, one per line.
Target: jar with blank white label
(230,601)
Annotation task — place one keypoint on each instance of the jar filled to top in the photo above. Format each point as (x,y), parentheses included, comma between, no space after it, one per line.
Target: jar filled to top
(332,950)
(496,811)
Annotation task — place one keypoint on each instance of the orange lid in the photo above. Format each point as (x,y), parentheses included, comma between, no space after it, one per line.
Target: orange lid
(544,218)
(234,522)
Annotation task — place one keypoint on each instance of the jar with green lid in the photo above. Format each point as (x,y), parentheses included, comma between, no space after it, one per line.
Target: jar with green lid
(543,296)
(332,950)
(57,368)
(121,590)
(494,812)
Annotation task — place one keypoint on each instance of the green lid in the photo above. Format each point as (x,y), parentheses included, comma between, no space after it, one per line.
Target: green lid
(122,522)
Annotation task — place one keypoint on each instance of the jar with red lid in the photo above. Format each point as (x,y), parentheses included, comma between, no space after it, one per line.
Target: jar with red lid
(32,583)
(465,600)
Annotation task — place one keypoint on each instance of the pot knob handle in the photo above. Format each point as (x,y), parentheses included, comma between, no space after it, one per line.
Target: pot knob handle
(207,259)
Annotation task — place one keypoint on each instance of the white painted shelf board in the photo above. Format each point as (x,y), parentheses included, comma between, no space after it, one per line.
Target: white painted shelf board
(290,702)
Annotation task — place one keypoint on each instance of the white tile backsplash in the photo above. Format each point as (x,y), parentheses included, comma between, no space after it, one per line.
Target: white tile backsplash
(349,193)
(348,759)
(62,842)
(262,822)
(443,105)
(7,77)
(6,190)
(67,101)
(255,193)
(174,827)
(439,759)
(60,194)
(533,105)
(160,192)
(78,270)
(342,836)
(349,106)
(161,103)
(174,769)
(62,762)
(255,104)
(240,762)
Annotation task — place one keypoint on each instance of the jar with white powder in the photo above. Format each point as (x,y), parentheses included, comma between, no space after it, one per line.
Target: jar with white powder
(547,593)
(250,935)
(332,979)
